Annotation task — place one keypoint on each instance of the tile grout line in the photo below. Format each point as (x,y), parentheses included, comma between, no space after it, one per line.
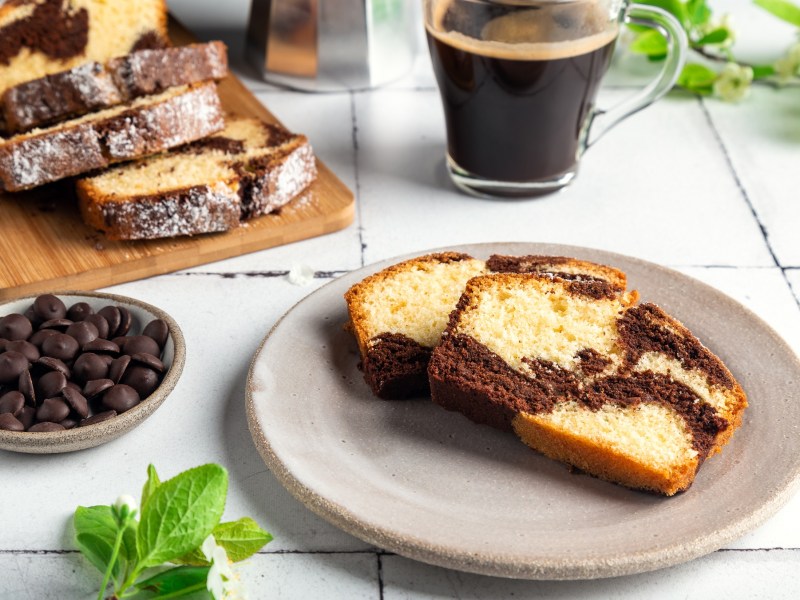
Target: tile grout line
(746,196)
(357,191)
(379,558)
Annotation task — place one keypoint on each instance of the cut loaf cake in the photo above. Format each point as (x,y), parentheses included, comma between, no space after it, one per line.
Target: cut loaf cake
(398,314)
(247,170)
(40,37)
(93,86)
(148,125)
(619,390)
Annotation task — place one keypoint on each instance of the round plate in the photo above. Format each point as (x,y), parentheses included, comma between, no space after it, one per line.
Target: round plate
(428,484)
(173,357)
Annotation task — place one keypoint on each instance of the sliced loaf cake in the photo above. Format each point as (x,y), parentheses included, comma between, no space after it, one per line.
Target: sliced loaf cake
(40,37)
(398,315)
(145,126)
(247,170)
(94,86)
(619,390)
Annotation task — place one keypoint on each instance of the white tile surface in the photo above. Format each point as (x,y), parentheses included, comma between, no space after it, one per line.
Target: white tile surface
(736,575)
(28,576)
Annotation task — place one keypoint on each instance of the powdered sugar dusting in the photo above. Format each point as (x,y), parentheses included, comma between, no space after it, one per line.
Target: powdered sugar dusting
(180,119)
(201,209)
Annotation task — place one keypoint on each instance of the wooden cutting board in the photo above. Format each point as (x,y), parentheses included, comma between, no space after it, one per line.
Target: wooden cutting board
(44,245)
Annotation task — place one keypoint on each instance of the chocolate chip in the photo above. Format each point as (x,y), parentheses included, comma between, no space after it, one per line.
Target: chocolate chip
(12,402)
(141,343)
(118,367)
(99,322)
(148,360)
(52,410)
(50,384)
(69,423)
(158,330)
(76,401)
(12,364)
(48,307)
(9,422)
(106,358)
(15,327)
(57,324)
(124,323)
(27,349)
(61,346)
(89,366)
(27,416)
(101,346)
(96,387)
(31,315)
(83,331)
(25,387)
(53,364)
(114,318)
(79,311)
(46,426)
(98,418)
(143,379)
(120,398)
(38,338)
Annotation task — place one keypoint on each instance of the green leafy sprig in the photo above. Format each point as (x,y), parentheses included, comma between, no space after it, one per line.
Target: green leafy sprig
(177,547)
(716,71)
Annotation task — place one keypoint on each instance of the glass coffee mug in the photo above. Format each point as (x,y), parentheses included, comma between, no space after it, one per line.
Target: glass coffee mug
(519,78)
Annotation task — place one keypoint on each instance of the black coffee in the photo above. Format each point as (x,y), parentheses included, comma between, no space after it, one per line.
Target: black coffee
(517,119)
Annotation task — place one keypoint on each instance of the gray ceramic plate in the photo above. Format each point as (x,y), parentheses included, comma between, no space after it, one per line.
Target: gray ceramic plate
(428,484)
(80,438)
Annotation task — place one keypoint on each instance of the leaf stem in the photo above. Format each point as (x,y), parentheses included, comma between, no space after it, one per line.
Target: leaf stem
(111,562)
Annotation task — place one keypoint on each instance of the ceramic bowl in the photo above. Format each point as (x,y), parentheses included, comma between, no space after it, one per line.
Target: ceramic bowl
(79,438)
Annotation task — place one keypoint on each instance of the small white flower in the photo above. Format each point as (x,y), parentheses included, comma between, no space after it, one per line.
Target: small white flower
(125,508)
(222,582)
(726,23)
(733,83)
(788,66)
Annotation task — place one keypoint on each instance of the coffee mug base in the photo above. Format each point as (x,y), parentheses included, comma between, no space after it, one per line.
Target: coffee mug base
(489,188)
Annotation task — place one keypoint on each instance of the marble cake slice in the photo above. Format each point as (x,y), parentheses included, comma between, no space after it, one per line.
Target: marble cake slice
(398,315)
(248,169)
(94,86)
(617,389)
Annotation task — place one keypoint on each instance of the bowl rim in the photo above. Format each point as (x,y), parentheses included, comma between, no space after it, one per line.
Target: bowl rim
(99,433)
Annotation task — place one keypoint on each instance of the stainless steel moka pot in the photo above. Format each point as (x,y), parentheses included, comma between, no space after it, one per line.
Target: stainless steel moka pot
(332,45)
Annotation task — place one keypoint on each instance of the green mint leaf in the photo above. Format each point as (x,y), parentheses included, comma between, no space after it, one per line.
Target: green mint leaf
(241,539)
(717,36)
(762,71)
(176,582)
(783,9)
(697,78)
(150,486)
(95,532)
(180,514)
(650,43)
(698,12)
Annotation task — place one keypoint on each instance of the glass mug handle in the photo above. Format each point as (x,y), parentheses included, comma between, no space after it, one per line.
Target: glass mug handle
(668,26)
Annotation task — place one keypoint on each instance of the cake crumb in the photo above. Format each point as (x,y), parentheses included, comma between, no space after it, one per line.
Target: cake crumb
(300,274)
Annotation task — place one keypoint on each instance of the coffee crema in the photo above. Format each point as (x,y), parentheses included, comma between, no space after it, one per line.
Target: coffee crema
(519,84)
